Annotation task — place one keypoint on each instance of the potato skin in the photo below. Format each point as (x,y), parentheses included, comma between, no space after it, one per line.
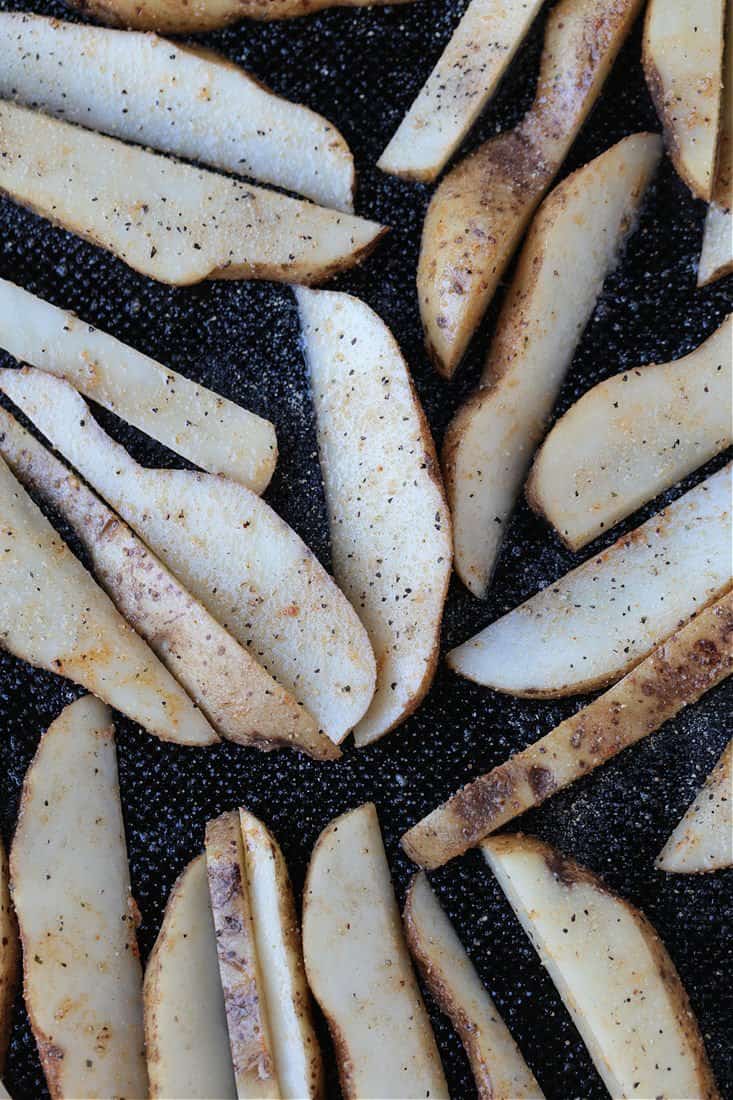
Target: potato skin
(181,17)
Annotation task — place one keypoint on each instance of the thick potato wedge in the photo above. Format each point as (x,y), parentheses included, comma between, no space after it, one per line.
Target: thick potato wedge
(207,429)
(574,241)
(389,521)
(186,1038)
(168,220)
(459,87)
(54,616)
(359,968)
(611,969)
(703,840)
(716,258)
(682,53)
(633,436)
(71,890)
(240,699)
(478,214)
(230,550)
(598,621)
(9,957)
(144,89)
(497,1065)
(678,673)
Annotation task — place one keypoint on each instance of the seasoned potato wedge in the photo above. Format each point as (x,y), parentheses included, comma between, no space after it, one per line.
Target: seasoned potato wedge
(498,1067)
(359,968)
(591,626)
(716,258)
(169,220)
(71,890)
(9,957)
(682,53)
(186,1039)
(459,87)
(573,243)
(390,527)
(478,214)
(678,673)
(175,99)
(703,840)
(230,550)
(611,969)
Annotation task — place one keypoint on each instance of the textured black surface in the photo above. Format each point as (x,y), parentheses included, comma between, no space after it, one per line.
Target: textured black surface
(362,69)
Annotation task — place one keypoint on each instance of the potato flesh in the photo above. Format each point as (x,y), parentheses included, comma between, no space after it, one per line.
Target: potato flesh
(71,889)
(716,258)
(168,220)
(9,957)
(589,627)
(703,840)
(573,243)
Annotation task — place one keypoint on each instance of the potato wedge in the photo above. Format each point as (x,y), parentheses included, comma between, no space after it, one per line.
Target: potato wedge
(168,220)
(678,673)
(498,1067)
(9,958)
(186,1038)
(358,966)
(574,241)
(230,550)
(703,840)
(477,216)
(389,521)
(240,699)
(4,1094)
(598,621)
(459,87)
(71,890)
(177,100)
(54,616)
(716,258)
(633,436)
(611,969)
(682,53)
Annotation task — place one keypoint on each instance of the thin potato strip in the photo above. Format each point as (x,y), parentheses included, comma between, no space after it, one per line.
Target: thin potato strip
(703,840)
(716,258)
(9,957)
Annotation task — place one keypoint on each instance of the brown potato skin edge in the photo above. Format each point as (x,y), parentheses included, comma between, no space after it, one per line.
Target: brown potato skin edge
(10,972)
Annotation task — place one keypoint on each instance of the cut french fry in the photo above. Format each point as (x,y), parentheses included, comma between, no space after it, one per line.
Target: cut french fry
(716,259)
(678,673)
(359,968)
(71,890)
(611,969)
(166,219)
(703,840)
(390,527)
(54,616)
(478,214)
(573,243)
(195,105)
(682,53)
(592,625)
(230,550)
(186,1039)
(9,958)
(459,87)
(240,699)
(633,436)
(498,1067)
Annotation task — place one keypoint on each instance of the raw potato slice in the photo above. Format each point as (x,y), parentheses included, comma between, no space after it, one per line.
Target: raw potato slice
(54,616)
(498,1067)
(4,1094)
(682,53)
(186,1037)
(71,889)
(573,243)
(716,259)
(633,436)
(166,219)
(359,968)
(230,550)
(611,969)
(478,214)
(144,89)
(389,522)
(678,673)
(591,626)
(205,428)
(9,958)
(459,87)
(238,696)
(703,840)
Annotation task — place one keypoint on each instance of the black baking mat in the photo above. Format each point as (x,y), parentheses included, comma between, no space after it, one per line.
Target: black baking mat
(362,68)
